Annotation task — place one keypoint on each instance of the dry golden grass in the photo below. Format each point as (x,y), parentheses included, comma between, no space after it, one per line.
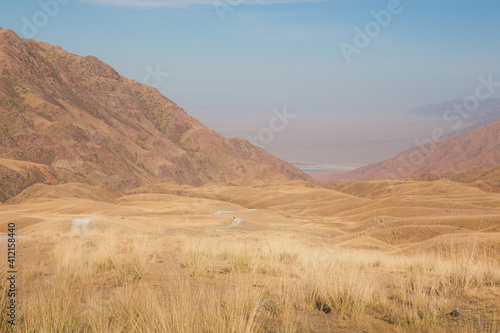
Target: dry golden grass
(116,282)
(73,297)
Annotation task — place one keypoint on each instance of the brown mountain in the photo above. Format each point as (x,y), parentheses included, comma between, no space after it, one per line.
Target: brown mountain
(476,148)
(67,118)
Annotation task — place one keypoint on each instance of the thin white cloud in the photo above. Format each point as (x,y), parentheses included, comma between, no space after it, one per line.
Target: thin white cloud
(185,3)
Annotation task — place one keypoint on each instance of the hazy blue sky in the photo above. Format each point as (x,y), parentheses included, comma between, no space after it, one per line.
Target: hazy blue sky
(268,54)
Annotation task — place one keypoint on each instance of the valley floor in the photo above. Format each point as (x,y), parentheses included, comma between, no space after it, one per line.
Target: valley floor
(401,256)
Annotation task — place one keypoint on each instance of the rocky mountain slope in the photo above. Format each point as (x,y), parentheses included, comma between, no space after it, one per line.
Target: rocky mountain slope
(66,118)
(476,148)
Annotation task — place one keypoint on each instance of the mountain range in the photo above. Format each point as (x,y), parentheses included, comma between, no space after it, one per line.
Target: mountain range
(66,118)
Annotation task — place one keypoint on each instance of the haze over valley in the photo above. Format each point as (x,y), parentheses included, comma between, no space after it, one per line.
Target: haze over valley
(342,141)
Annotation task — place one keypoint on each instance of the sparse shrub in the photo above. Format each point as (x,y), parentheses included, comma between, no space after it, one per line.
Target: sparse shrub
(241,262)
(198,262)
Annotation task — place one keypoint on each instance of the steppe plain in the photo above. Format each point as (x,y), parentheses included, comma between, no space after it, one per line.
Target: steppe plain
(373,256)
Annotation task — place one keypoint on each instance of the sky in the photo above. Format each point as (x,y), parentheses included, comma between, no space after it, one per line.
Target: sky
(308,56)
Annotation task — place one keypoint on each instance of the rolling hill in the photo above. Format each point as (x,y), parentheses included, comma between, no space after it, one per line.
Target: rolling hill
(487,179)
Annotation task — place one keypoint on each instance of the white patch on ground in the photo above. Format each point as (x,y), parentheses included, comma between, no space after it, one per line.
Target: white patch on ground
(81,224)
(236,221)
(299,213)
(217,213)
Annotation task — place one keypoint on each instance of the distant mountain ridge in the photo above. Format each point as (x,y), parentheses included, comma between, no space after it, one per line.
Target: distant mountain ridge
(487,109)
(67,118)
(487,112)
